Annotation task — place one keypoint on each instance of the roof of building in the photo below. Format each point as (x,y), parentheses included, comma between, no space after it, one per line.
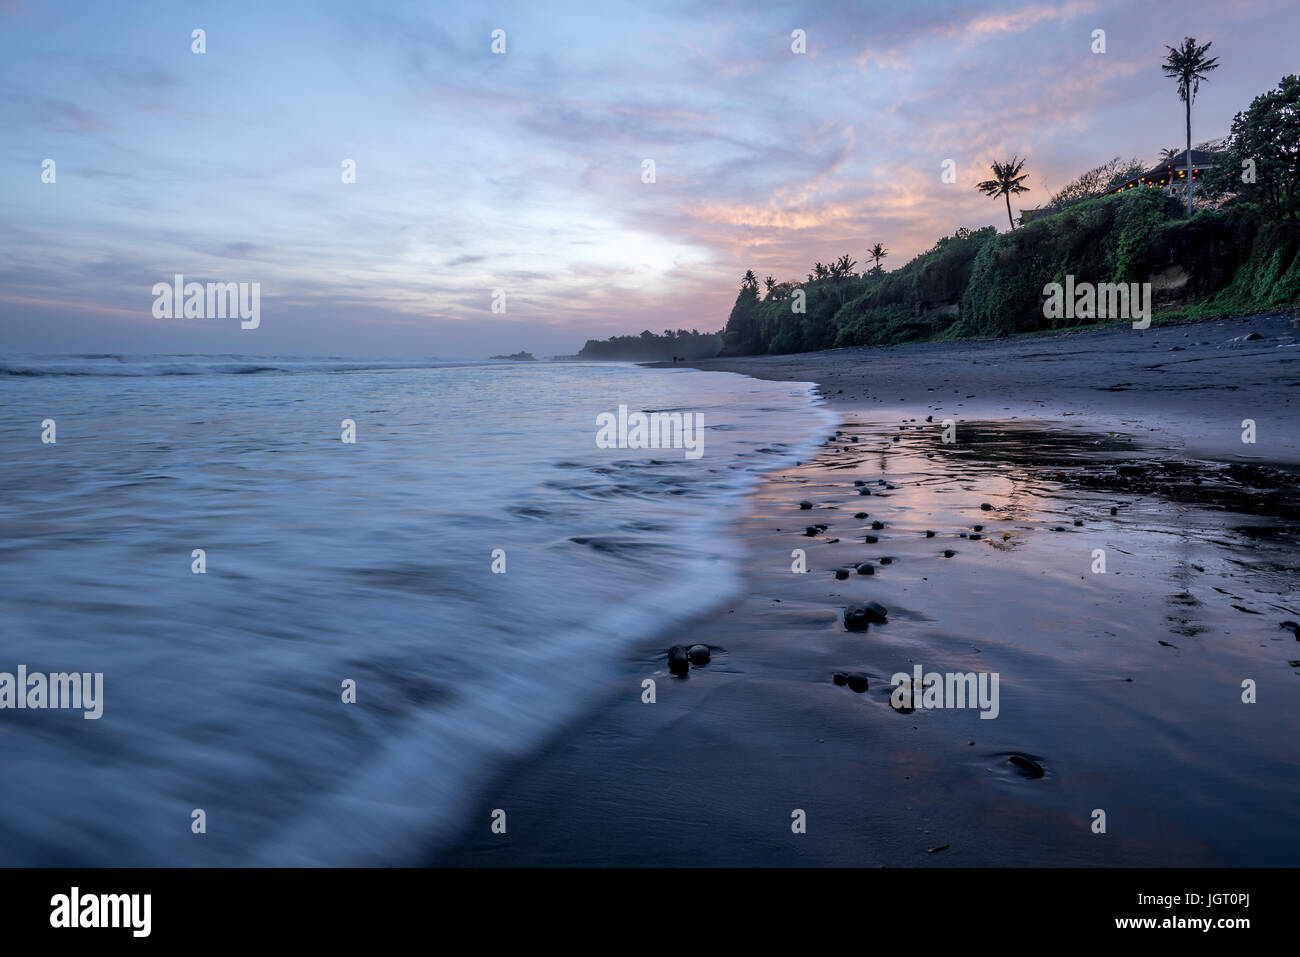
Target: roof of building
(1174,168)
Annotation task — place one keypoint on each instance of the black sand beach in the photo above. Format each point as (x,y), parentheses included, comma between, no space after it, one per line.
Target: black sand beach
(1124,688)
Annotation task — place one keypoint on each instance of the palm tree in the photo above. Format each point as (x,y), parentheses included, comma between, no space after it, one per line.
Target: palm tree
(749,280)
(820,271)
(878,252)
(1189,65)
(770,281)
(845,266)
(1007,179)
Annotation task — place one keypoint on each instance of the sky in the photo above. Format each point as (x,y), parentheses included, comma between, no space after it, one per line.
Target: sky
(524,172)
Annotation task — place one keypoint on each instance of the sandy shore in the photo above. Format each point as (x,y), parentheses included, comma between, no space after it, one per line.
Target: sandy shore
(1124,687)
(1191,384)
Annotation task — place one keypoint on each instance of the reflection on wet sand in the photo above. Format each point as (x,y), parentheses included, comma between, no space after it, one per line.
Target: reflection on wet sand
(1126,594)
(1123,595)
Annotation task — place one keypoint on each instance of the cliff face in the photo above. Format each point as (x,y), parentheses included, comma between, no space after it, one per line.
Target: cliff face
(1220,262)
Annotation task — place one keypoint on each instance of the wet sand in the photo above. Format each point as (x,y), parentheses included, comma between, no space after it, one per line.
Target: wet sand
(1191,385)
(1124,687)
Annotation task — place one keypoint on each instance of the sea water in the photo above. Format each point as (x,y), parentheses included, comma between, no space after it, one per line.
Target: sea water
(473,565)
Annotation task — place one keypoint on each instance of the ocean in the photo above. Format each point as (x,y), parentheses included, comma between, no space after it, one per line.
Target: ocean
(471,568)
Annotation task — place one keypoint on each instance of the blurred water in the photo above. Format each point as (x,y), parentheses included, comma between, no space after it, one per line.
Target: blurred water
(328,561)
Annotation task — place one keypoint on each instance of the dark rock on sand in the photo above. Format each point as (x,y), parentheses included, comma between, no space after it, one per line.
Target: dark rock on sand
(1078,522)
(948,553)
(859,482)
(811,530)
(861,515)
(886,560)
(805,505)
(856,620)
(978,528)
(840,678)
(864,491)
(841,574)
(929,534)
(866,568)
(1028,766)
(859,617)
(877,525)
(870,539)
(856,682)
(699,654)
(986,506)
(679,659)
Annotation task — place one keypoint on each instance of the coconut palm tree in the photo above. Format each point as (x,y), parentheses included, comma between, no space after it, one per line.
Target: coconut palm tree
(1189,65)
(770,281)
(877,252)
(749,280)
(842,268)
(1007,180)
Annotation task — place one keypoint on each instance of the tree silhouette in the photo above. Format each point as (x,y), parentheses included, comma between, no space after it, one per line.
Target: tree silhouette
(842,268)
(878,252)
(1189,65)
(1007,180)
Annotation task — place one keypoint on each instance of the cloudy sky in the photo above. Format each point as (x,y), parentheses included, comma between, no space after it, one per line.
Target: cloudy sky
(477,171)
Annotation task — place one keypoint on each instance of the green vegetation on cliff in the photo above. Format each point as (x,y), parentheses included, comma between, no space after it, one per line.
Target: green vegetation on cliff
(1238,254)
(1229,261)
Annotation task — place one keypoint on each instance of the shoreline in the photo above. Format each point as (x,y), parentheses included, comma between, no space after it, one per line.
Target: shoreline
(1110,376)
(1097,672)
